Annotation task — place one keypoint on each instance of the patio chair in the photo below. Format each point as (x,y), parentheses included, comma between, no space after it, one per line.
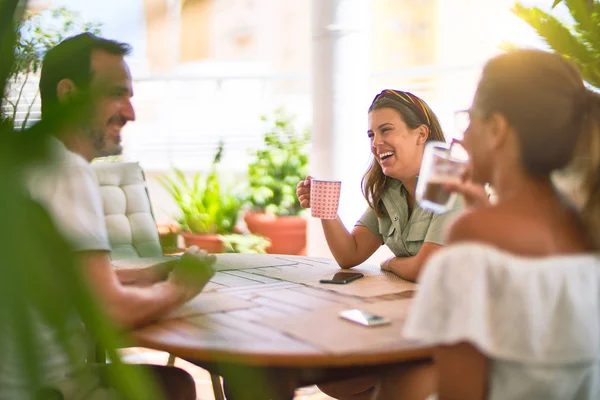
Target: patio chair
(130,223)
(128,212)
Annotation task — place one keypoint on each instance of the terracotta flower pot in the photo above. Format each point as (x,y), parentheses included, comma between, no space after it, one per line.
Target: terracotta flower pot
(209,242)
(167,234)
(287,234)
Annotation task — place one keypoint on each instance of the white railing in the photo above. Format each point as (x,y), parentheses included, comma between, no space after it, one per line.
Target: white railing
(180,120)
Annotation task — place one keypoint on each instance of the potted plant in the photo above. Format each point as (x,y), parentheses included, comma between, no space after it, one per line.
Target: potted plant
(168,235)
(273,173)
(207,208)
(238,243)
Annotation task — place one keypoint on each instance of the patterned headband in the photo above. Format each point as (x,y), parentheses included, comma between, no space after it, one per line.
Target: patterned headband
(408,99)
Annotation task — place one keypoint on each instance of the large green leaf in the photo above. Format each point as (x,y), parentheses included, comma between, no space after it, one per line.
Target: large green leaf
(590,3)
(580,43)
(586,28)
(558,36)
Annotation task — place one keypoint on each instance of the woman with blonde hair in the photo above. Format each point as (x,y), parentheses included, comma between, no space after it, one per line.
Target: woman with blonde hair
(512,304)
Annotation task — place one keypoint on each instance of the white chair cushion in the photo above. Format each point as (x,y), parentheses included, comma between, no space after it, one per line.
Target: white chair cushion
(127,210)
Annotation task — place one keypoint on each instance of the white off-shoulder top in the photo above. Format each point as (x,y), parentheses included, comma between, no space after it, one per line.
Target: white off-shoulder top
(536,319)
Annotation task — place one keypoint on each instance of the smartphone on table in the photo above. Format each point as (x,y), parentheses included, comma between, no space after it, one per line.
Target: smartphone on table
(364,317)
(343,277)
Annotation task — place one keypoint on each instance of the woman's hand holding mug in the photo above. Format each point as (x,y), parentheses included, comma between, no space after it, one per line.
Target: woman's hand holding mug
(303,192)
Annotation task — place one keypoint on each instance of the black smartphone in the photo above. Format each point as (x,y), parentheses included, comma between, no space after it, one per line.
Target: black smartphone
(343,277)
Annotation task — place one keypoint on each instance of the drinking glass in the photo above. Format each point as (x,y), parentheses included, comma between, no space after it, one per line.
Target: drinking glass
(442,163)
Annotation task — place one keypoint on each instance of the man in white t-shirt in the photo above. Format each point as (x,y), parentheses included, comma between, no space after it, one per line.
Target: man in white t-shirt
(88,76)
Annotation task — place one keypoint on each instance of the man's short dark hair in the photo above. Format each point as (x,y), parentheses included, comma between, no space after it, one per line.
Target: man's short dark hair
(71,59)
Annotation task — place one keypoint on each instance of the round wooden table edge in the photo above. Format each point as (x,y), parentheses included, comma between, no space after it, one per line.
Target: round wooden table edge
(288,359)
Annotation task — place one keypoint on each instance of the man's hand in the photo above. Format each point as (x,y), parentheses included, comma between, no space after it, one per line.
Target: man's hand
(193,271)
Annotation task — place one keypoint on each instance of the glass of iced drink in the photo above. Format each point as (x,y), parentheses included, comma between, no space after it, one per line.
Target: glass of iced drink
(442,163)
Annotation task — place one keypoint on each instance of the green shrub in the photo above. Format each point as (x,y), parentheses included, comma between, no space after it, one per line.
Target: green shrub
(278,166)
(237,243)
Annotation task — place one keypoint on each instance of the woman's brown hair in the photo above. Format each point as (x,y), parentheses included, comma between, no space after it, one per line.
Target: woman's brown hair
(414,112)
(557,119)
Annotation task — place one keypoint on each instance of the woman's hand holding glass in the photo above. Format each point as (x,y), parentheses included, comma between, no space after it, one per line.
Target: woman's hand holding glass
(474,195)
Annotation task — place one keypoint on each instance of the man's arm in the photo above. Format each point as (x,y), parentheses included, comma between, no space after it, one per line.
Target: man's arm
(132,306)
(71,195)
(145,276)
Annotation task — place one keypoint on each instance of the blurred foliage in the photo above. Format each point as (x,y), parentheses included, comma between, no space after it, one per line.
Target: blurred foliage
(41,282)
(239,243)
(206,206)
(36,33)
(578,42)
(589,3)
(278,166)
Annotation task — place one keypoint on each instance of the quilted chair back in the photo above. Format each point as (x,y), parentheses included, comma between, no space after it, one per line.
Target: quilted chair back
(127,210)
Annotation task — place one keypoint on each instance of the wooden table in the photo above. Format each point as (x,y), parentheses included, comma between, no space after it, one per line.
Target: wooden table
(267,326)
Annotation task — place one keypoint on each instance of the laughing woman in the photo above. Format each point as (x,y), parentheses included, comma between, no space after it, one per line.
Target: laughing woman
(400,124)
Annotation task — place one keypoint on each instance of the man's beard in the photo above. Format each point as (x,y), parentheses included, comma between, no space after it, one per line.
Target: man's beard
(102,147)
